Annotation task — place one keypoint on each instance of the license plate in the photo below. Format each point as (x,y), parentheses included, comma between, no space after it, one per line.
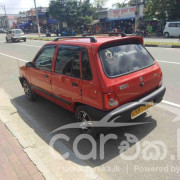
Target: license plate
(137,112)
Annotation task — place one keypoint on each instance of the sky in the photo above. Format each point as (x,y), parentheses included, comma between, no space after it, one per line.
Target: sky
(14,6)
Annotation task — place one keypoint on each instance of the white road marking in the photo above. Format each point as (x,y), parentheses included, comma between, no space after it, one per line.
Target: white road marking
(169,62)
(23,44)
(19,59)
(28,45)
(170,103)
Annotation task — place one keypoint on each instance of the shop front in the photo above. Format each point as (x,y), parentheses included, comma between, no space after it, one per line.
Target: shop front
(123,19)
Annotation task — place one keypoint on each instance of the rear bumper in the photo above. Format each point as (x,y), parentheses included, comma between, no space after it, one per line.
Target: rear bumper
(19,38)
(123,113)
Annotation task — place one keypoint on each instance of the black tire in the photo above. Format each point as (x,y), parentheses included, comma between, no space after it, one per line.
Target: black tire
(28,91)
(7,40)
(83,115)
(166,35)
(24,40)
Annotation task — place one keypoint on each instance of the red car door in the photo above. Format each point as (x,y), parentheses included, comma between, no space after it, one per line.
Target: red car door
(66,79)
(40,74)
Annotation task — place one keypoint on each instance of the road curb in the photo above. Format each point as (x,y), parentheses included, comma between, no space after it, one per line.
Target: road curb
(162,46)
(28,133)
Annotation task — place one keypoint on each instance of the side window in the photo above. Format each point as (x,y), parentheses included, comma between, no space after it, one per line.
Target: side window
(76,66)
(44,59)
(67,61)
(86,68)
(178,25)
(172,24)
(10,32)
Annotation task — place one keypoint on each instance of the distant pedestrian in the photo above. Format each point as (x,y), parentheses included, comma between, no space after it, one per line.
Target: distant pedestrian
(57,32)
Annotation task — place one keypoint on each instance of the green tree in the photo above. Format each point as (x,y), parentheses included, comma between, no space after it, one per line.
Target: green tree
(120,5)
(100,3)
(162,9)
(73,12)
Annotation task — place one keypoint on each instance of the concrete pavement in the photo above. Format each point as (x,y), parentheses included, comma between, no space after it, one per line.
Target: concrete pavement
(34,121)
(14,162)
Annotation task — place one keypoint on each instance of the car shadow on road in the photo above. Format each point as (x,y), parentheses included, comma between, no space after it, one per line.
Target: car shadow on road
(44,117)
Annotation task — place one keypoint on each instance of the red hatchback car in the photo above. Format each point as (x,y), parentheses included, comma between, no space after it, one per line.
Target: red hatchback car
(93,77)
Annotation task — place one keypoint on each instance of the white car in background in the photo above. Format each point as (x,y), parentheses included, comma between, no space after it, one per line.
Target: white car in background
(15,35)
(172,29)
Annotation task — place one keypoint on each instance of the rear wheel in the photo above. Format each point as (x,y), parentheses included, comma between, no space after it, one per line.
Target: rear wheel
(24,40)
(7,40)
(28,91)
(82,115)
(166,34)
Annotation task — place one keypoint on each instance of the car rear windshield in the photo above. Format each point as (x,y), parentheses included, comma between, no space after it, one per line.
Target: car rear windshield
(19,31)
(123,59)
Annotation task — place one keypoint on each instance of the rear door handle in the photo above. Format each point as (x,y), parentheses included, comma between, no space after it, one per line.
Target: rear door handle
(46,76)
(74,84)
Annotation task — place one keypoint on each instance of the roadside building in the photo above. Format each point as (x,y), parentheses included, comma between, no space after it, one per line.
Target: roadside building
(9,21)
(122,19)
(27,21)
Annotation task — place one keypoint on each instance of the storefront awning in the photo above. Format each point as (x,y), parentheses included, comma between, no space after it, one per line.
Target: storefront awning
(52,21)
(123,18)
(94,22)
(151,19)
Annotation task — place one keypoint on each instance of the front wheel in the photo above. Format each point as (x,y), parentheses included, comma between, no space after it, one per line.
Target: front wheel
(166,35)
(28,91)
(82,115)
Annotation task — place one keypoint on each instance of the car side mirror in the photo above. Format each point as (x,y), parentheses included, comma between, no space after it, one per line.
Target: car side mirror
(29,64)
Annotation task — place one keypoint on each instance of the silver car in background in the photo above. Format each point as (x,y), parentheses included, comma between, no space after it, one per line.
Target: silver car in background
(14,35)
(172,29)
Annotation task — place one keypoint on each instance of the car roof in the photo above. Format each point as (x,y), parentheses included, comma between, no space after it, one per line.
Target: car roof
(80,41)
(15,29)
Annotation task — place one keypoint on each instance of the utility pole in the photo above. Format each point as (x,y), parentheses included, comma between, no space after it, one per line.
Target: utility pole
(37,19)
(137,15)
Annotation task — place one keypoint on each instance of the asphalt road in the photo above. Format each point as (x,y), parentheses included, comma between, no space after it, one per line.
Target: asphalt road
(162,126)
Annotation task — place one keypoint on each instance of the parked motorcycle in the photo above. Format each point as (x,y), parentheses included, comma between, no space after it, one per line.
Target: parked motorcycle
(48,33)
(142,33)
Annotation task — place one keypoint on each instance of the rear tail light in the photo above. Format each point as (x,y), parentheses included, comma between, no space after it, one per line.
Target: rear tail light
(110,101)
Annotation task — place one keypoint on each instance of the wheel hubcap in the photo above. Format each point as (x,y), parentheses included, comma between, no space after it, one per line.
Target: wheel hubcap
(85,119)
(27,90)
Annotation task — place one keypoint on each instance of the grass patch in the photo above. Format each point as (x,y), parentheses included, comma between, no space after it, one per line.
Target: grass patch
(41,38)
(162,43)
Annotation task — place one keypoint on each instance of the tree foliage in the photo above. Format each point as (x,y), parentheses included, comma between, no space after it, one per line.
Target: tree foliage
(99,3)
(163,9)
(120,5)
(73,12)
